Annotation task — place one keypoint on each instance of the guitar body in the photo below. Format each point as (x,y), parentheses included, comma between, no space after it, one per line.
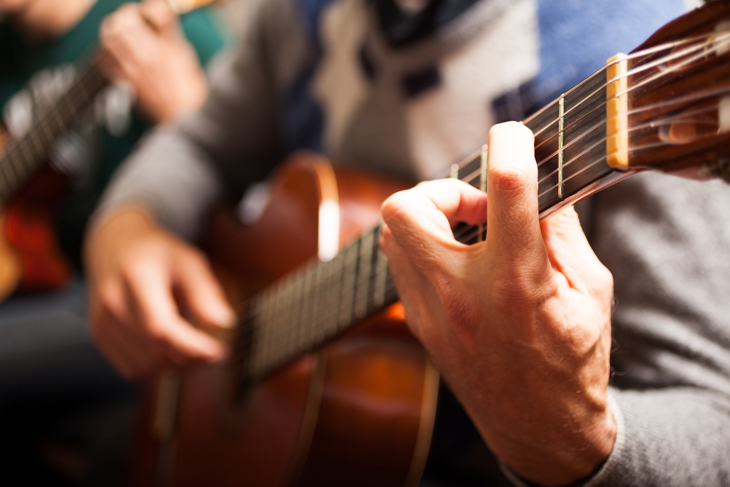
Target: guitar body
(30,257)
(358,412)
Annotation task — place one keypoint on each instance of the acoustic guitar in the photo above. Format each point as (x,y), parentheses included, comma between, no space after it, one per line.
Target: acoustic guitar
(31,191)
(309,398)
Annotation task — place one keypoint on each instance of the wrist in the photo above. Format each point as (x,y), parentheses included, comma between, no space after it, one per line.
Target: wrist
(113,228)
(578,451)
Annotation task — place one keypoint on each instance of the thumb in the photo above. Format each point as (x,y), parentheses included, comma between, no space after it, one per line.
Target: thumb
(202,295)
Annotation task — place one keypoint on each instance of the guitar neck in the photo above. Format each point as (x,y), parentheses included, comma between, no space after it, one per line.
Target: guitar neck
(26,155)
(664,106)
(323,299)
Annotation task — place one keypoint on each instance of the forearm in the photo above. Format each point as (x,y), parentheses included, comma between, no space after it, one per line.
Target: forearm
(170,178)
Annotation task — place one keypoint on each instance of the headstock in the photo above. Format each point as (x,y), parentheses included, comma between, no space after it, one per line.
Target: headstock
(675,114)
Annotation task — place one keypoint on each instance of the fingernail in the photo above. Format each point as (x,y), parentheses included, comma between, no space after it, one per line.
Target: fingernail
(217,353)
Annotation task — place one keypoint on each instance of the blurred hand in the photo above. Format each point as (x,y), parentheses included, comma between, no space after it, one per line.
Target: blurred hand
(143,283)
(520,324)
(142,44)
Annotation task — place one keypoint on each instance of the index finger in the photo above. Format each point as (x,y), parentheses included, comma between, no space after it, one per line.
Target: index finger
(154,304)
(421,218)
(158,14)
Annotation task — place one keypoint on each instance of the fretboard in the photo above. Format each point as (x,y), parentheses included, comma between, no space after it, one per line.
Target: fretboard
(323,299)
(25,156)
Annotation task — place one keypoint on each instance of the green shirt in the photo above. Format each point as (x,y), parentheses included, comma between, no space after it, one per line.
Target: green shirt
(30,72)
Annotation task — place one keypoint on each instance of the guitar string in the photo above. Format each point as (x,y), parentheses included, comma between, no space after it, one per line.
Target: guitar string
(632,72)
(318,305)
(52,113)
(665,103)
(30,145)
(635,111)
(27,152)
(635,128)
(90,73)
(315,314)
(587,98)
(357,296)
(359,293)
(662,104)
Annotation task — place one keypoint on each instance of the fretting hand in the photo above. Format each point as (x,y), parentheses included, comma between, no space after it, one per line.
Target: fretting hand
(142,44)
(520,324)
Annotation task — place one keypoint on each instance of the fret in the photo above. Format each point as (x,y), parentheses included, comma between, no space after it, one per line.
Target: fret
(258,359)
(571,152)
(454,171)
(256,339)
(304,331)
(374,249)
(321,299)
(325,322)
(5,190)
(334,292)
(9,170)
(581,138)
(315,329)
(37,149)
(297,307)
(296,320)
(381,267)
(391,293)
(561,143)
(24,156)
(71,108)
(278,342)
(348,284)
(243,348)
(85,96)
(286,306)
(266,330)
(363,274)
(54,114)
(483,167)
(23,146)
(47,132)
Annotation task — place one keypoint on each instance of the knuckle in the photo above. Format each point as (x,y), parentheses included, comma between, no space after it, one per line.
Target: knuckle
(509,179)
(512,294)
(127,12)
(392,206)
(155,333)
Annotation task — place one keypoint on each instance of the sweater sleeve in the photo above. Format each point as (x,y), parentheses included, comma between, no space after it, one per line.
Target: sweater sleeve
(667,242)
(180,171)
(669,437)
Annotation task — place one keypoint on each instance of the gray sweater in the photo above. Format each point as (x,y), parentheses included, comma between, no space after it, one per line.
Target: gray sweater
(322,75)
